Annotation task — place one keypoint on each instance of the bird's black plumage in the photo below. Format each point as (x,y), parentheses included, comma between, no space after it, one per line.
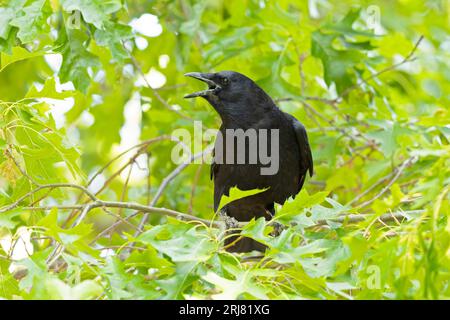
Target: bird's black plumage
(242,104)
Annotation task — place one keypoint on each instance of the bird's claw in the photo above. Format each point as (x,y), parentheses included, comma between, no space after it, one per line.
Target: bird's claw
(277,229)
(230,222)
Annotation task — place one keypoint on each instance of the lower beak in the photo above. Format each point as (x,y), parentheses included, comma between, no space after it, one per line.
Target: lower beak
(213,87)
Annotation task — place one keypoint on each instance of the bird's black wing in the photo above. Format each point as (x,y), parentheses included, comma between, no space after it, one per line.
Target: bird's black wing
(306,160)
(214,167)
(221,181)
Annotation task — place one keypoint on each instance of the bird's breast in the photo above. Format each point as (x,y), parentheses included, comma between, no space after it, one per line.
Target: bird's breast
(264,155)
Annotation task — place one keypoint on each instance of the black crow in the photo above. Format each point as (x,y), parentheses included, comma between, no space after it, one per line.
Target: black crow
(247,110)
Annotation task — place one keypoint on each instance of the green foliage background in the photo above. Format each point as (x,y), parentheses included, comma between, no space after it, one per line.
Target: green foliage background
(372,223)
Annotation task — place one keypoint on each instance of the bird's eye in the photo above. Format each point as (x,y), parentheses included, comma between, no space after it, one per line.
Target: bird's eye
(225,81)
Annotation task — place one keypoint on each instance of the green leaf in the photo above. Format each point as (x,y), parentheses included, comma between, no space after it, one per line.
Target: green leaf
(302,201)
(7,44)
(181,242)
(59,290)
(94,11)
(76,60)
(127,285)
(243,282)
(7,14)
(147,259)
(36,267)
(49,91)
(338,64)
(7,219)
(256,229)
(9,286)
(17,54)
(32,20)
(319,258)
(388,137)
(183,277)
(113,36)
(74,239)
(235,194)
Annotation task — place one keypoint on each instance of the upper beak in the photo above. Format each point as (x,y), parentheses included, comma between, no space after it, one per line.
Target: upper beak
(207,78)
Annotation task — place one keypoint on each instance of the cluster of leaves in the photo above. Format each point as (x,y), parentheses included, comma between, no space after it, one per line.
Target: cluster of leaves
(83,121)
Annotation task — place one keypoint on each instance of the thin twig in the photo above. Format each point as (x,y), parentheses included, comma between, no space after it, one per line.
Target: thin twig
(341,130)
(149,179)
(194,187)
(53,185)
(168,179)
(408,58)
(154,91)
(8,153)
(125,188)
(373,186)
(139,145)
(386,188)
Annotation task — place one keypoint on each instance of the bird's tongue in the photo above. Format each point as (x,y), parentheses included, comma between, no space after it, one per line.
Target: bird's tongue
(213,88)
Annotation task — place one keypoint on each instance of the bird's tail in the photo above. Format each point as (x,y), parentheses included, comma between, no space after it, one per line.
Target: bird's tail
(240,244)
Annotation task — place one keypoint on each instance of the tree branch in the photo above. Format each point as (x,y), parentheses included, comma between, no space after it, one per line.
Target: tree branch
(125,205)
(387,217)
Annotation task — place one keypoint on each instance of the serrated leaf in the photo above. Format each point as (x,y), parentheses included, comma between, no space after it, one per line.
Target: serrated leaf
(337,64)
(180,242)
(7,14)
(75,238)
(244,282)
(94,11)
(7,219)
(183,277)
(235,194)
(113,36)
(77,60)
(9,287)
(49,91)
(126,285)
(302,201)
(17,54)
(59,290)
(32,20)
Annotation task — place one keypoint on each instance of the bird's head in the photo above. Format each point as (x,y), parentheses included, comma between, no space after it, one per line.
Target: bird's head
(228,91)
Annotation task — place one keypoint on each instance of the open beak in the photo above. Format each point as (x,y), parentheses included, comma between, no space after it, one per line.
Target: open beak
(213,87)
